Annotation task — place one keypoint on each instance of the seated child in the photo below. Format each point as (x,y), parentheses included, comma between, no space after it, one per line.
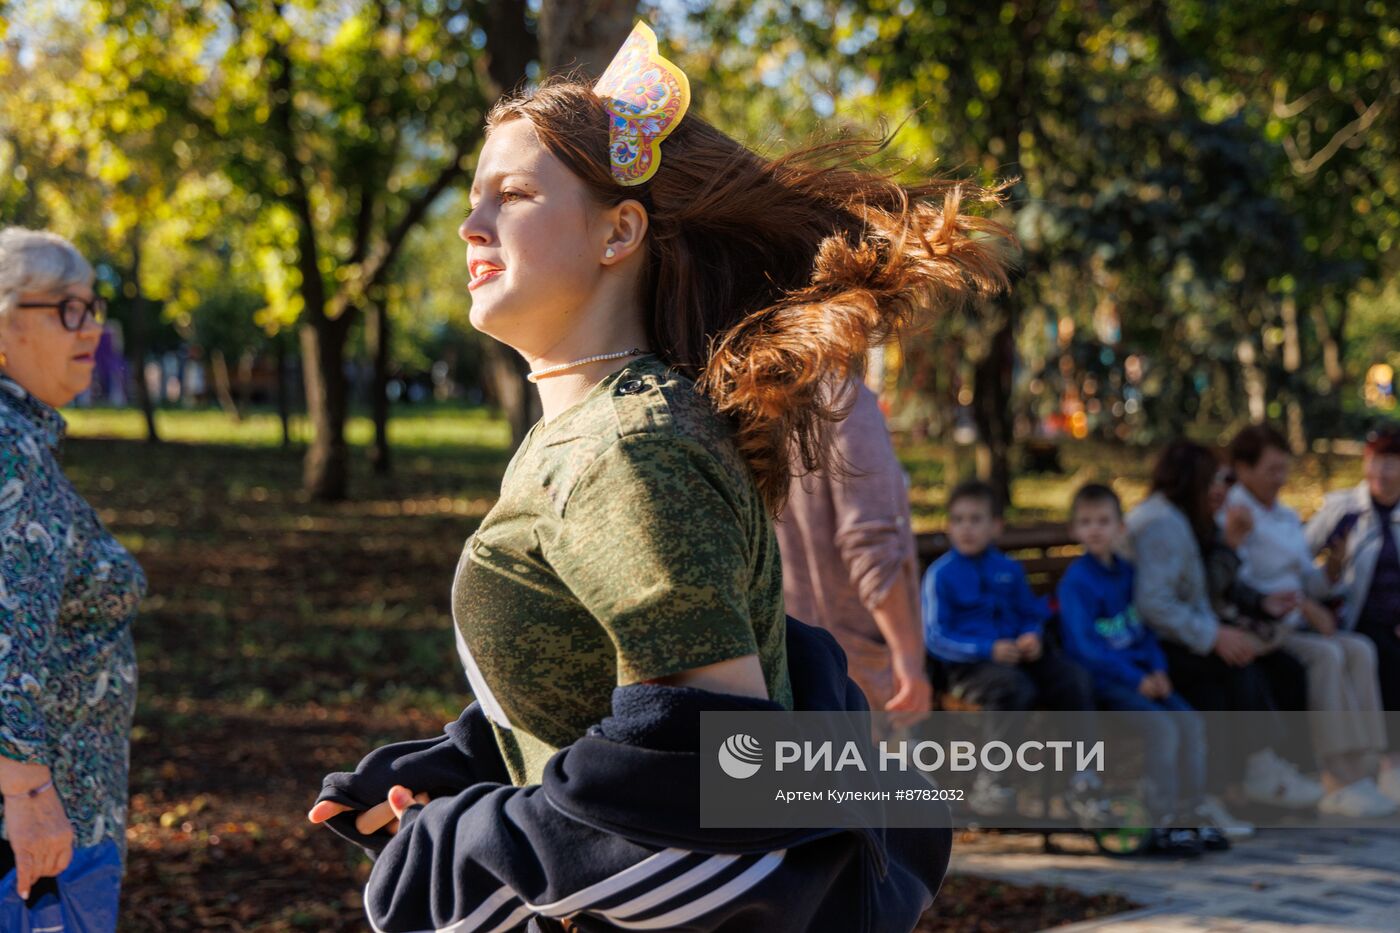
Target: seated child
(1102,631)
(984,624)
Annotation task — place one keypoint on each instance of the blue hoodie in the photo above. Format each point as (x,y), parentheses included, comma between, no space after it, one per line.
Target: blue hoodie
(612,838)
(971,602)
(1100,627)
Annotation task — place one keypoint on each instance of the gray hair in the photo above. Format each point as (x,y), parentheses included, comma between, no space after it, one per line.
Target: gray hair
(38,261)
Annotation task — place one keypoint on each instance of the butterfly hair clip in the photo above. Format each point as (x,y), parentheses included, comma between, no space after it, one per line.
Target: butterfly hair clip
(645,96)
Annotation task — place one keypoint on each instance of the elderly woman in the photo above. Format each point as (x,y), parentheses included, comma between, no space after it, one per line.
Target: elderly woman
(68,590)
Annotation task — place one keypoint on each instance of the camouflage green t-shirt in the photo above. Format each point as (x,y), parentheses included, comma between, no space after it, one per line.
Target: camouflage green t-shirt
(630,542)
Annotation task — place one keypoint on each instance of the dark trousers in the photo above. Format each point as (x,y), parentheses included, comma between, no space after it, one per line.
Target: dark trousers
(1210,685)
(1051,681)
(1387,642)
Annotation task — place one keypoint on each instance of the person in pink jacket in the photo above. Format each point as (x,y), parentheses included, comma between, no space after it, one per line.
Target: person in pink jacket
(849,563)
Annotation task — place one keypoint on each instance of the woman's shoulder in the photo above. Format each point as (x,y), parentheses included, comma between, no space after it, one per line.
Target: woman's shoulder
(30,487)
(22,451)
(649,417)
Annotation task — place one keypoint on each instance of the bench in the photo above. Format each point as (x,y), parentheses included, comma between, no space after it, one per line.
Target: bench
(1045,550)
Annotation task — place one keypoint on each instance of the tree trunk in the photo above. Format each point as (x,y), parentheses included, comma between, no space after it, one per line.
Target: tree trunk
(991,403)
(223,390)
(1293,370)
(137,347)
(326,473)
(1333,337)
(244,396)
(518,398)
(284,414)
(583,34)
(378,339)
(1255,385)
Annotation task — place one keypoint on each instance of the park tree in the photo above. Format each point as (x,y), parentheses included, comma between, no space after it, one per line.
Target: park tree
(1320,83)
(1170,207)
(341,127)
(101,159)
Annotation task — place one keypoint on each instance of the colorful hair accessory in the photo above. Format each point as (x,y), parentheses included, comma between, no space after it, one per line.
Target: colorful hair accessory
(646,96)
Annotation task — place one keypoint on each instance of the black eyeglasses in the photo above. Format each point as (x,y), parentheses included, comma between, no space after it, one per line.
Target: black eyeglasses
(74,312)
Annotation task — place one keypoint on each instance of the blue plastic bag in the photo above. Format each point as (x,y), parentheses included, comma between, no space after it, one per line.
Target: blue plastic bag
(89,891)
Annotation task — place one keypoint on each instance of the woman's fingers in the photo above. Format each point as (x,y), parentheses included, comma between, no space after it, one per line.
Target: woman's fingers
(24,874)
(400,799)
(381,816)
(374,819)
(325,810)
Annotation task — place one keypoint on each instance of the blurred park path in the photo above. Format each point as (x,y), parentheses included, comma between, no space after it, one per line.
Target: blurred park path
(1299,881)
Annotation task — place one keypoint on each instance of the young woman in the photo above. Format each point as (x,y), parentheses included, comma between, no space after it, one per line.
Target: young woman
(681,301)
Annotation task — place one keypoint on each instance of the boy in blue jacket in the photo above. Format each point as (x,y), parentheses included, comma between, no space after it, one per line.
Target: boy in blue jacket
(986,627)
(984,624)
(1102,631)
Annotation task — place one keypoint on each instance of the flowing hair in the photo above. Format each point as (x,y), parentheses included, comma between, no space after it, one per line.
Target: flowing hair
(768,279)
(1183,474)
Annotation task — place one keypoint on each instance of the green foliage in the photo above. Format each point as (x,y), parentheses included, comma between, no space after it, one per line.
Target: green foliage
(1202,184)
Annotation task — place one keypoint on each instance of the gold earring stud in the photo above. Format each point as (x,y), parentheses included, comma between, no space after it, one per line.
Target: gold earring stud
(4,360)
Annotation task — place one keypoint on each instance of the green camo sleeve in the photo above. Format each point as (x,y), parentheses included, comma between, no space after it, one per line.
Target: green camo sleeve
(653,543)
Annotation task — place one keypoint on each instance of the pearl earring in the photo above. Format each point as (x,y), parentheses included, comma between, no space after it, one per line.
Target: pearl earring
(609,253)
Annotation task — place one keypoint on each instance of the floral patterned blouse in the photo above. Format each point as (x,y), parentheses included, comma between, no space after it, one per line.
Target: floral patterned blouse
(68,593)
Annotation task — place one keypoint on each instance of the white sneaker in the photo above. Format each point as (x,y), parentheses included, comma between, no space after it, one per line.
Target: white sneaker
(1360,800)
(1271,780)
(1212,812)
(1389,784)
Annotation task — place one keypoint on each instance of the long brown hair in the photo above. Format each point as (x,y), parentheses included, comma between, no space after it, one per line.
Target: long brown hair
(1183,474)
(769,278)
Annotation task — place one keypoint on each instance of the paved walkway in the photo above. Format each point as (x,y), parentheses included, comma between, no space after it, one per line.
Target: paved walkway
(1281,881)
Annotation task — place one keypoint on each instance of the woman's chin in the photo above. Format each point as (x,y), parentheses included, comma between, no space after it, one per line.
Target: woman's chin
(493,319)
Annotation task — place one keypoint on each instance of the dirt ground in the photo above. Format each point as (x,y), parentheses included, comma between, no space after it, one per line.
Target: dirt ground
(282,640)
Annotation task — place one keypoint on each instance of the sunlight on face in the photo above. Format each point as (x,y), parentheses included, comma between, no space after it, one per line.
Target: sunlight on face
(532,259)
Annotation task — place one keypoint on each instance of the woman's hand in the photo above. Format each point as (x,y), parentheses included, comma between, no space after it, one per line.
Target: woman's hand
(41,836)
(912,691)
(1319,617)
(1336,563)
(380,816)
(1236,648)
(1239,522)
(1282,603)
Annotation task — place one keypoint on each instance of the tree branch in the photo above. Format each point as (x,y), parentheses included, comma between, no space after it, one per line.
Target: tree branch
(1308,165)
(380,260)
(313,286)
(1287,111)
